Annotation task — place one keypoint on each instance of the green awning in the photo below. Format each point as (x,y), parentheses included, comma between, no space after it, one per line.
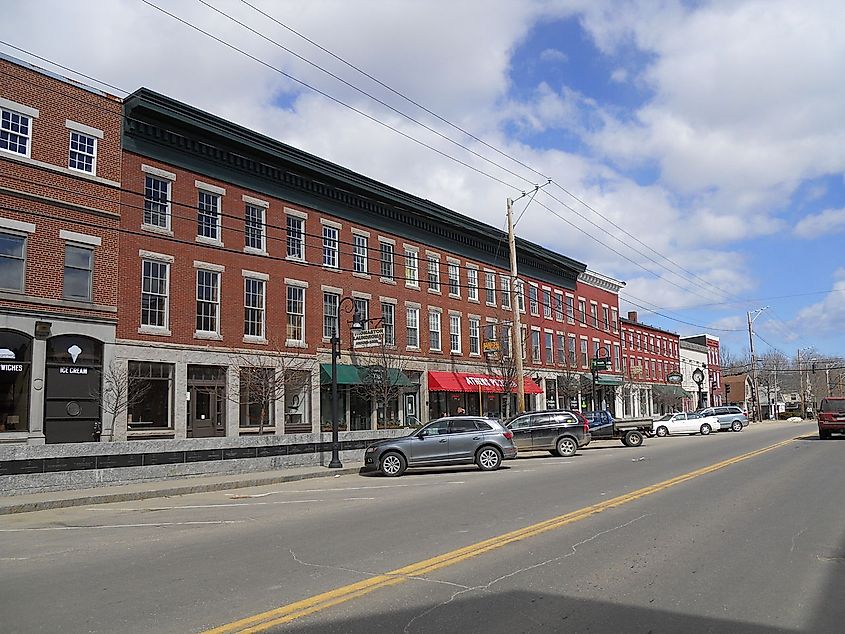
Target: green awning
(670,391)
(357,375)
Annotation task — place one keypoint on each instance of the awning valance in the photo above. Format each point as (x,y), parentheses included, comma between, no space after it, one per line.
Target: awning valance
(358,375)
(464,382)
(669,391)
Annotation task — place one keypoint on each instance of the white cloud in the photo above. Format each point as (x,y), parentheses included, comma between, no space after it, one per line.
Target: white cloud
(619,76)
(827,316)
(829,221)
(553,55)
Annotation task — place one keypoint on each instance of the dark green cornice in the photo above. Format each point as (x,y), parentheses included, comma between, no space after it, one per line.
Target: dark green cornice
(173,132)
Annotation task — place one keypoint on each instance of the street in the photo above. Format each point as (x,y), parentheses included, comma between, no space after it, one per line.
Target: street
(736,532)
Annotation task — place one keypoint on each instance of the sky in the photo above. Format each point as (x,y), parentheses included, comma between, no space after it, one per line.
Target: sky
(696,150)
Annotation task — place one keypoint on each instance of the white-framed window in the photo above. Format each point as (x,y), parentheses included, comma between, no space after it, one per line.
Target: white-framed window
(79,273)
(573,355)
(412,268)
(547,303)
(360,246)
(558,307)
(386,256)
(155,282)
(605,316)
(474,335)
(506,291)
(455,334)
(361,306)
(570,310)
(585,355)
(454,274)
(330,246)
(330,314)
(549,347)
(12,261)
(208,215)
(520,295)
(505,342)
(472,284)
(533,300)
(156,202)
(388,323)
(535,346)
(15,132)
(433,273)
(82,153)
(490,288)
(295,314)
(582,311)
(434,342)
(254,302)
(561,348)
(254,228)
(412,317)
(296,237)
(208,301)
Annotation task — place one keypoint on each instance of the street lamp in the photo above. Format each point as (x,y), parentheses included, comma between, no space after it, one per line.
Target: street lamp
(355,327)
(698,377)
(601,359)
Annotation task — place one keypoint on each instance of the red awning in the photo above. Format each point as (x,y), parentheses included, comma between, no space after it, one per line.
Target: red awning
(463,382)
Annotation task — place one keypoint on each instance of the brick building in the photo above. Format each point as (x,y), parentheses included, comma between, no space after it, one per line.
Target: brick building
(650,356)
(238,255)
(60,169)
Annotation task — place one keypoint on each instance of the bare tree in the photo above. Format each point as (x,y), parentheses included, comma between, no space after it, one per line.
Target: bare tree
(264,378)
(118,391)
(381,371)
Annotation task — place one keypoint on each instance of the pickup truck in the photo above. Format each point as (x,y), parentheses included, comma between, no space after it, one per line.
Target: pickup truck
(631,431)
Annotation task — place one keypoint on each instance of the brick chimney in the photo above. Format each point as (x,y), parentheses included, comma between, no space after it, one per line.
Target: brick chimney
(632,315)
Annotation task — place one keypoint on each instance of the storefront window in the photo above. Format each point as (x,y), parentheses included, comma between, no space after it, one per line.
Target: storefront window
(15,358)
(258,387)
(297,402)
(150,395)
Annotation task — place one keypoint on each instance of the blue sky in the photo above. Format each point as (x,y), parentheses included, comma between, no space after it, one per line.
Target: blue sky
(709,131)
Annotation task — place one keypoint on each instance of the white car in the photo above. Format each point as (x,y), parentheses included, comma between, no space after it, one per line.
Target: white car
(685,423)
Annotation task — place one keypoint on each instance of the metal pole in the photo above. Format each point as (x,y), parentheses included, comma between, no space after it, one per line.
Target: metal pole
(335,461)
(516,331)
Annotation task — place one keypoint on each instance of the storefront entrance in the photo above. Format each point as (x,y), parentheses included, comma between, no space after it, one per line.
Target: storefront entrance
(15,361)
(73,389)
(207,404)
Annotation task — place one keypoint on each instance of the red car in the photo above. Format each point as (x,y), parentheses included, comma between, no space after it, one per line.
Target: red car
(831,416)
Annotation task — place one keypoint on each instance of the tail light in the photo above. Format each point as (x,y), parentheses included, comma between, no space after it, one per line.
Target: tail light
(508,434)
(586,425)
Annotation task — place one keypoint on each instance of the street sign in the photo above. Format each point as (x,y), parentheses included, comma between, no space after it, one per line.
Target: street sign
(675,377)
(372,338)
(600,364)
(490,346)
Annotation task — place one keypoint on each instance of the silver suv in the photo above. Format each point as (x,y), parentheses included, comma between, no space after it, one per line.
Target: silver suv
(730,416)
(445,441)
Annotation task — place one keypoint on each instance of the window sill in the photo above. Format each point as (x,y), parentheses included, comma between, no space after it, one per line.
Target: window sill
(416,287)
(434,292)
(332,269)
(363,276)
(293,343)
(213,242)
(253,339)
(154,330)
(490,304)
(473,301)
(267,429)
(254,251)
(388,280)
(412,348)
(156,229)
(454,295)
(291,258)
(213,336)
(150,433)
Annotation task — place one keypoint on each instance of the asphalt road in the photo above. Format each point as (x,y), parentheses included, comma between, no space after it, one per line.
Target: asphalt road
(683,534)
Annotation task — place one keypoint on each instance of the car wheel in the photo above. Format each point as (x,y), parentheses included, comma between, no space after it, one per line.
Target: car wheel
(633,439)
(566,447)
(392,464)
(488,458)
(736,425)
(662,431)
(705,429)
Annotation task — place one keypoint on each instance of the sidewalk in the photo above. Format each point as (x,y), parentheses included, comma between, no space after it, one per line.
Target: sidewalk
(162,488)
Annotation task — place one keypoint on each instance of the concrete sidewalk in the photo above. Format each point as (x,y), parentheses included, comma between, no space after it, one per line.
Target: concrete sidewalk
(162,488)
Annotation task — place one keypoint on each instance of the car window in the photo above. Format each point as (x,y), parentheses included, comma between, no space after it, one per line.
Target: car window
(482,426)
(564,418)
(832,405)
(520,423)
(461,426)
(666,417)
(436,429)
(541,419)
(721,411)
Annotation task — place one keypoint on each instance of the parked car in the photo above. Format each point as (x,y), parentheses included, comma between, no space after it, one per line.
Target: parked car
(730,416)
(831,416)
(685,423)
(631,432)
(560,432)
(446,441)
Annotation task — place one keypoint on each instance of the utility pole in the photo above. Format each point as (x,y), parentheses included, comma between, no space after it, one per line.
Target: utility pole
(516,331)
(801,386)
(756,395)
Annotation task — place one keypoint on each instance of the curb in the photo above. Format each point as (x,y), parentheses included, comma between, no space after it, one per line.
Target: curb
(182,489)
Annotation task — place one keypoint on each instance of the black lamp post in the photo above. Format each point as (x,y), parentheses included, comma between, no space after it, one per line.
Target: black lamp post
(698,377)
(356,327)
(602,357)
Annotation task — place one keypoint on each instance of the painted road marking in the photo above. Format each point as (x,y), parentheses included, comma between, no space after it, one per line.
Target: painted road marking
(287,613)
(335,490)
(88,528)
(223,505)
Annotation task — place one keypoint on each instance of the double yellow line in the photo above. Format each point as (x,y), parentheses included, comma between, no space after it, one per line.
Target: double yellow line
(316,603)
